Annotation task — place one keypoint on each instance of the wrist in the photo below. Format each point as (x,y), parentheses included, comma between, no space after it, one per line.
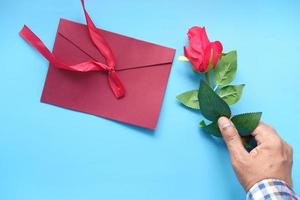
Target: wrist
(268,188)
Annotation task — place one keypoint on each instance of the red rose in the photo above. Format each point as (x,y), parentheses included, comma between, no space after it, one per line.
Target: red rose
(202,53)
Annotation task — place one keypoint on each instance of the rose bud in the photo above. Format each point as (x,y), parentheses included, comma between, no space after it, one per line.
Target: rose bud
(202,53)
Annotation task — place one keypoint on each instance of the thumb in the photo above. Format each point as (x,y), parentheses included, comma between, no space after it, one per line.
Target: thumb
(232,138)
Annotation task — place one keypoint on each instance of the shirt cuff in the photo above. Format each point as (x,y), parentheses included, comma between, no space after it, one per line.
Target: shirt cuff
(269,189)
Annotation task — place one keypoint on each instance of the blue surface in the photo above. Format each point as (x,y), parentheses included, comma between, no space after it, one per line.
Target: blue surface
(48,152)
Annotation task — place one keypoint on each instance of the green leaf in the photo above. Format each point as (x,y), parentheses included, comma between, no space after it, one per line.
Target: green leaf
(202,123)
(249,142)
(231,93)
(189,99)
(226,68)
(211,128)
(246,123)
(212,106)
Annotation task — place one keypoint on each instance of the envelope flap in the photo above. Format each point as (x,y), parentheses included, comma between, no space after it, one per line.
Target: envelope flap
(129,52)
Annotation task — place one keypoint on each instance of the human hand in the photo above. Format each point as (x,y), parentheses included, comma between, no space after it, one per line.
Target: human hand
(272,158)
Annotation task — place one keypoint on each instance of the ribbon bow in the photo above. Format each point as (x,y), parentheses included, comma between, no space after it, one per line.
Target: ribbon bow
(99,42)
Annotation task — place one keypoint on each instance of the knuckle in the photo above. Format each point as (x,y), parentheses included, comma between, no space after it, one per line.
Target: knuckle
(265,125)
(231,138)
(271,128)
(284,161)
(277,142)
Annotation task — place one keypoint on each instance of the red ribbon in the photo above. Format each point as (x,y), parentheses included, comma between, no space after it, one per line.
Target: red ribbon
(113,78)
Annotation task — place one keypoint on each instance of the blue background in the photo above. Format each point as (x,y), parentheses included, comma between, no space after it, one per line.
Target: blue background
(47,152)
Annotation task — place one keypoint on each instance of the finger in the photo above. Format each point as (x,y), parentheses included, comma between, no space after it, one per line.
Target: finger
(232,138)
(263,128)
(264,133)
(259,129)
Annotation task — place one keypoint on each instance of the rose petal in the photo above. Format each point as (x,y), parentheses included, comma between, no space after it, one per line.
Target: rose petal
(206,58)
(198,38)
(217,52)
(193,57)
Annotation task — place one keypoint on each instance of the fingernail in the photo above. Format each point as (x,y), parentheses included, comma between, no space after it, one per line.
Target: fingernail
(254,152)
(224,122)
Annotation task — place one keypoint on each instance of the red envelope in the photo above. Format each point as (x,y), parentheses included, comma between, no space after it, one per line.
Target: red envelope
(143,68)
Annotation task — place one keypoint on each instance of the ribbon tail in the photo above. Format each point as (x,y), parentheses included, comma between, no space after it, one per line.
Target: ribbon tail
(116,84)
(37,43)
(98,40)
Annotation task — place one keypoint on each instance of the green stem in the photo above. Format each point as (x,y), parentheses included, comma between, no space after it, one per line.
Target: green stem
(207,76)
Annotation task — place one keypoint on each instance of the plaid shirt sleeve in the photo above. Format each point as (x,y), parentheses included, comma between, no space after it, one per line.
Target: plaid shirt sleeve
(271,189)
